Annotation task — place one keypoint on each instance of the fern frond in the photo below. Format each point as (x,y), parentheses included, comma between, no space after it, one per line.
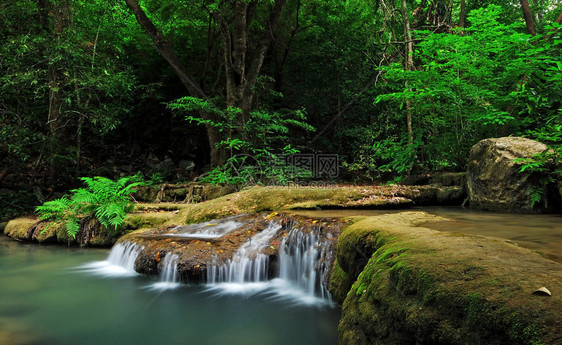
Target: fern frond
(54,209)
(84,196)
(72,227)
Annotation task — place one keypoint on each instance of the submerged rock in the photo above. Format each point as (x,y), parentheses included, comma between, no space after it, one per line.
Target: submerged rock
(494,180)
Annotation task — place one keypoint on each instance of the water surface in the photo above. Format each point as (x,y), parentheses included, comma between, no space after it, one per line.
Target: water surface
(538,232)
(46,299)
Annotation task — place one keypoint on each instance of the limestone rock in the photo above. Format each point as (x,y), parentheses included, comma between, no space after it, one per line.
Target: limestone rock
(494,180)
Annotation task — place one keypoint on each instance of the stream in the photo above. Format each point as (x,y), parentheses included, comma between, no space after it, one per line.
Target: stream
(47,297)
(56,295)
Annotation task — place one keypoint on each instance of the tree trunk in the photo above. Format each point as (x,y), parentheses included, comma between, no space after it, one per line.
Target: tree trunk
(241,75)
(462,14)
(528,17)
(409,66)
(167,51)
(54,17)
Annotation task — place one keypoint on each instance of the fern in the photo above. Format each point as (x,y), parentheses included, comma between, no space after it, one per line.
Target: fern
(102,198)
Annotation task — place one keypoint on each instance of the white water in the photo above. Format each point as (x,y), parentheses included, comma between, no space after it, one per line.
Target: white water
(303,262)
(168,276)
(120,263)
(207,230)
(248,264)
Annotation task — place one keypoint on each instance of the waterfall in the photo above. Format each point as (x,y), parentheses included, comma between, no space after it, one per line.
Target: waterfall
(305,260)
(119,263)
(248,264)
(168,274)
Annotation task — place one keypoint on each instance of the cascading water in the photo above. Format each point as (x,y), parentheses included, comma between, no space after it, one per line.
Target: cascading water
(119,263)
(168,275)
(304,261)
(248,264)
(299,272)
(206,230)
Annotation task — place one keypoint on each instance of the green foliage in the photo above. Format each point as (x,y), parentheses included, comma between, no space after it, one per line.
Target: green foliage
(546,167)
(102,198)
(255,145)
(488,81)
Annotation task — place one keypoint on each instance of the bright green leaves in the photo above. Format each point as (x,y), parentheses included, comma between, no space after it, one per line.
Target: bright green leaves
(488,81)
(105,199)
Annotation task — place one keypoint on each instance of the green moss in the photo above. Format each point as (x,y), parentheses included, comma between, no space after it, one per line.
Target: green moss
(340,283)
(146,220)
(475,311)
(18,228)
(525,333)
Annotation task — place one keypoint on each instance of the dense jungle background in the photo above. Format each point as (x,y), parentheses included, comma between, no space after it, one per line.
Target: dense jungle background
(178,90)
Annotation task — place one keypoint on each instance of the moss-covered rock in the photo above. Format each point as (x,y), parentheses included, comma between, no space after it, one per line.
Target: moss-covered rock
(495,181)
(420,286)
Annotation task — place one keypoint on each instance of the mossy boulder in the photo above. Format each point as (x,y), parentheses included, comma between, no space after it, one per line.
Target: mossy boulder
(495,181)
(421,286)
(258,199)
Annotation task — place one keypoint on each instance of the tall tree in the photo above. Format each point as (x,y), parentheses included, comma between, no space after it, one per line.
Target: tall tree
(528,15)
(244,53)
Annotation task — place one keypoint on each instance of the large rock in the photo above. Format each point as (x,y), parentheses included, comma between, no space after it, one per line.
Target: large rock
(494,179)
(400,283)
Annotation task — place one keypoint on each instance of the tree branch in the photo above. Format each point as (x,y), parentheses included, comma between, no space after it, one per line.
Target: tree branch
(166,50)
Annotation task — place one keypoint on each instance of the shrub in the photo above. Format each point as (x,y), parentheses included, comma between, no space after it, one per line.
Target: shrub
(105,199)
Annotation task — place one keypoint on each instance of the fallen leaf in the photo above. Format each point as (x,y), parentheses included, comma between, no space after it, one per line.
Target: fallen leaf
(542,291)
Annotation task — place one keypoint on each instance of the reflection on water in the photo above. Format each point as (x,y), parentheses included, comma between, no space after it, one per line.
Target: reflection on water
(542,233)
(45,298)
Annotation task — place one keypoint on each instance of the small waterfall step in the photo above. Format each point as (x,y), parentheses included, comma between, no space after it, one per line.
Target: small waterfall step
(168,275)
(119,263)
(249,263)
(284,256)
(304,261)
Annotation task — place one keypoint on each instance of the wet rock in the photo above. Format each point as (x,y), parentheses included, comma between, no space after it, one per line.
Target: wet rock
(188,192)
(434,195)
(494,180)
(195,254)
(186,165)
(91,232)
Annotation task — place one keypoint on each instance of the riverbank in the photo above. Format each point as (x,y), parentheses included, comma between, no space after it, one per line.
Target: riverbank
(397,282)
